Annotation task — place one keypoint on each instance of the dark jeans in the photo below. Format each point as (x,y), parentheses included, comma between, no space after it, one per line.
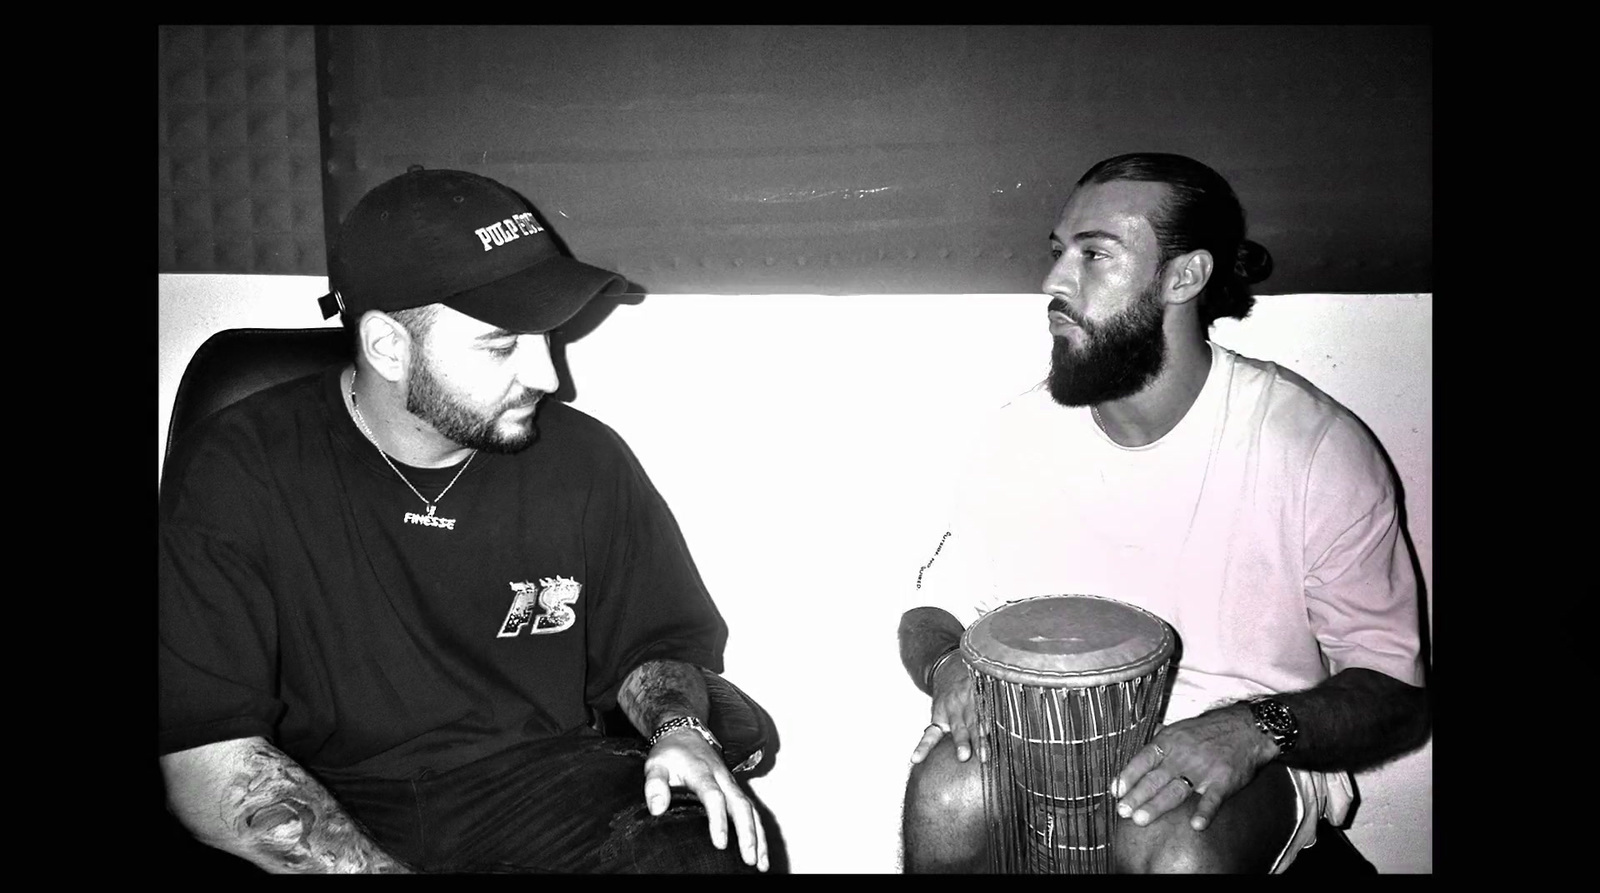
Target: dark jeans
(571,805)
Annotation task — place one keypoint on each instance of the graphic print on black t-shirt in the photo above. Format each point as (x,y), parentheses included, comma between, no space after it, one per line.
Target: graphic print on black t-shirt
(555,595)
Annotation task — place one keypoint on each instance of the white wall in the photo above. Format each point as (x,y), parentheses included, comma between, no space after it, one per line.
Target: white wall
(806,445)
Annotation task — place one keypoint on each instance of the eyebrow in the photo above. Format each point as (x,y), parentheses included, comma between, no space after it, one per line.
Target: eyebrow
(1088,234)
(496,334)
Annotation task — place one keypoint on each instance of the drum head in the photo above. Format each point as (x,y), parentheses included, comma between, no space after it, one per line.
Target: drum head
(1067,640)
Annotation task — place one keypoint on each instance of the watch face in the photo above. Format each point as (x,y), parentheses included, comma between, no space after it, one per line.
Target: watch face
(1276,715)
(1276,720)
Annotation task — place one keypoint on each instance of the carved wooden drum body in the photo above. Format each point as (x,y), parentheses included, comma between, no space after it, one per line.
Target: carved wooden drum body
(1067,689)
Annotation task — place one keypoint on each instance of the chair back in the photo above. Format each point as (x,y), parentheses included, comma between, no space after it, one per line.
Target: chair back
(235,363)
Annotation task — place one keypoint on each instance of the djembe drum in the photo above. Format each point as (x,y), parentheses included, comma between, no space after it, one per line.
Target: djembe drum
(1067,688)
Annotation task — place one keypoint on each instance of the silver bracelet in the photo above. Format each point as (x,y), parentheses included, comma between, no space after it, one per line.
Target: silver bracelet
(686,722)
(938,663)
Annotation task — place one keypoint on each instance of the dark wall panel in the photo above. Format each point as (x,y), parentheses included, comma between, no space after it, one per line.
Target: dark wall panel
(239,157)
(855,159)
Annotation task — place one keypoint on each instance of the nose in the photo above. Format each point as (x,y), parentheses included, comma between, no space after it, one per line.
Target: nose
(1062,278)
(536,369)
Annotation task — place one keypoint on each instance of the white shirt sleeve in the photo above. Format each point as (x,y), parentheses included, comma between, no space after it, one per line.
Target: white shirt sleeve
(1360,584)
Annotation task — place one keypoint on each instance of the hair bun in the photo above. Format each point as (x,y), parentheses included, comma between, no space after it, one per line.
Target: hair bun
(1253,263)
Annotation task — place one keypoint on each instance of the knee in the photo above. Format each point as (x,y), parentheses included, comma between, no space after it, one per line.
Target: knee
(1177,857)
(675,842)
(1169,847)
(944,828)
(1244,837)
(944,786)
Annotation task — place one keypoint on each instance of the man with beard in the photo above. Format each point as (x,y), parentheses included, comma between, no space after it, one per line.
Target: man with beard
(1224,494)
(394,595)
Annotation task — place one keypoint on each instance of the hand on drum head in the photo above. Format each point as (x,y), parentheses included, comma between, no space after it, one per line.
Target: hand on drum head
(954,714)
(1213,755)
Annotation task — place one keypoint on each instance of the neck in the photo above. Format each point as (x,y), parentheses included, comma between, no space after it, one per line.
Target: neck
(1147,416)
(394,430)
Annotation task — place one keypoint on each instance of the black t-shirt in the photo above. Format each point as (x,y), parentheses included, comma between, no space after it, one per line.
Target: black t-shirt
(302,601)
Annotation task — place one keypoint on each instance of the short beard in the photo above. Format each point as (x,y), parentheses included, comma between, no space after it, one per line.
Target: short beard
(1119,356)
(427,399)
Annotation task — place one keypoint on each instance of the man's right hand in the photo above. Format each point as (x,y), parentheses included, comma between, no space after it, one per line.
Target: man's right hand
(683,759)
(953,712)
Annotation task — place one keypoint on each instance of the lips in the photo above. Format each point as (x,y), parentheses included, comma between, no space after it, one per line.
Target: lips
(1057,311)
(526,403)
(1060,322)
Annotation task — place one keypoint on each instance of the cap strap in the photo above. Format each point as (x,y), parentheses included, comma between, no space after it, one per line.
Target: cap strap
(331,303)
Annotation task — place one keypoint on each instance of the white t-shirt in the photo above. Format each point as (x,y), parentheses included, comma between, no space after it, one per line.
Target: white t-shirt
(1263,527)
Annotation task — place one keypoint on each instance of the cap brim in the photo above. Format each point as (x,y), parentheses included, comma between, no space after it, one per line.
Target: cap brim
(540,297)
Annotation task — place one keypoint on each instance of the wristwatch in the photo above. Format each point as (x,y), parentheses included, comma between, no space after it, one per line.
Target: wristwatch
(686,722)
(1275,721)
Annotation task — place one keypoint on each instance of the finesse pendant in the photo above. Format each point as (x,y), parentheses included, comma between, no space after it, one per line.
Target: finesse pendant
(430,519)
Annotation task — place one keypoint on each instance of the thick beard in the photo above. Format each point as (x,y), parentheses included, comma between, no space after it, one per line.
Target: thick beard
(1119,356)
(427,399)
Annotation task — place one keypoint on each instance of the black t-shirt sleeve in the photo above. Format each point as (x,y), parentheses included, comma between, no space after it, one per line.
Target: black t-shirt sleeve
(217,628)
(651,601)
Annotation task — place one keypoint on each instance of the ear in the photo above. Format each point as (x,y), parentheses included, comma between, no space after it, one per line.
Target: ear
(1187,275)
(385,343)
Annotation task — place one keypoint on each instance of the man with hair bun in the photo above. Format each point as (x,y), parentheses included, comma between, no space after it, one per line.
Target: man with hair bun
(1225,494)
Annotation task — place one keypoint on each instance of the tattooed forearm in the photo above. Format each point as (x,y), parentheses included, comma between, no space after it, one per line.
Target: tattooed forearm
(283,820)
(658,689)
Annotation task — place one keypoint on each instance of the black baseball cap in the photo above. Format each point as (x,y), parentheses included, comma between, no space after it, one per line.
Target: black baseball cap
(462,240)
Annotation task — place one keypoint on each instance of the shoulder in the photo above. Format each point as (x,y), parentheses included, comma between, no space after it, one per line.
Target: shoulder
(268,407)
(1287,402)
(1029,409)
(254,425)
(1020,416)
(569,430)
(240,454)
(1035,399)
(567,421)
(1301,419)
(1023,430)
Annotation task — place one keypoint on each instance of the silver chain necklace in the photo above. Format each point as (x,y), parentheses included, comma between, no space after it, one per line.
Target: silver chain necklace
(430,519)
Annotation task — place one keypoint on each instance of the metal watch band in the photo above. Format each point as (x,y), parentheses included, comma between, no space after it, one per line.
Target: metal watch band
(686,722)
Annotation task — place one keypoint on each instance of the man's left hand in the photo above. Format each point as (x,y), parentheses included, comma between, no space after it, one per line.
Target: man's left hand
(1213,755)
(684,759)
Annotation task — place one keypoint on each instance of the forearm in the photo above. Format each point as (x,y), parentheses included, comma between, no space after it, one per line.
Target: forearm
(250,799)
(659,690)
(1355,720)
(926,634)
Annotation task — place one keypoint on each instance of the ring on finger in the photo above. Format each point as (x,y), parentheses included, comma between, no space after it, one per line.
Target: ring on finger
(1160,754)
(1185,780)
(933,725)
